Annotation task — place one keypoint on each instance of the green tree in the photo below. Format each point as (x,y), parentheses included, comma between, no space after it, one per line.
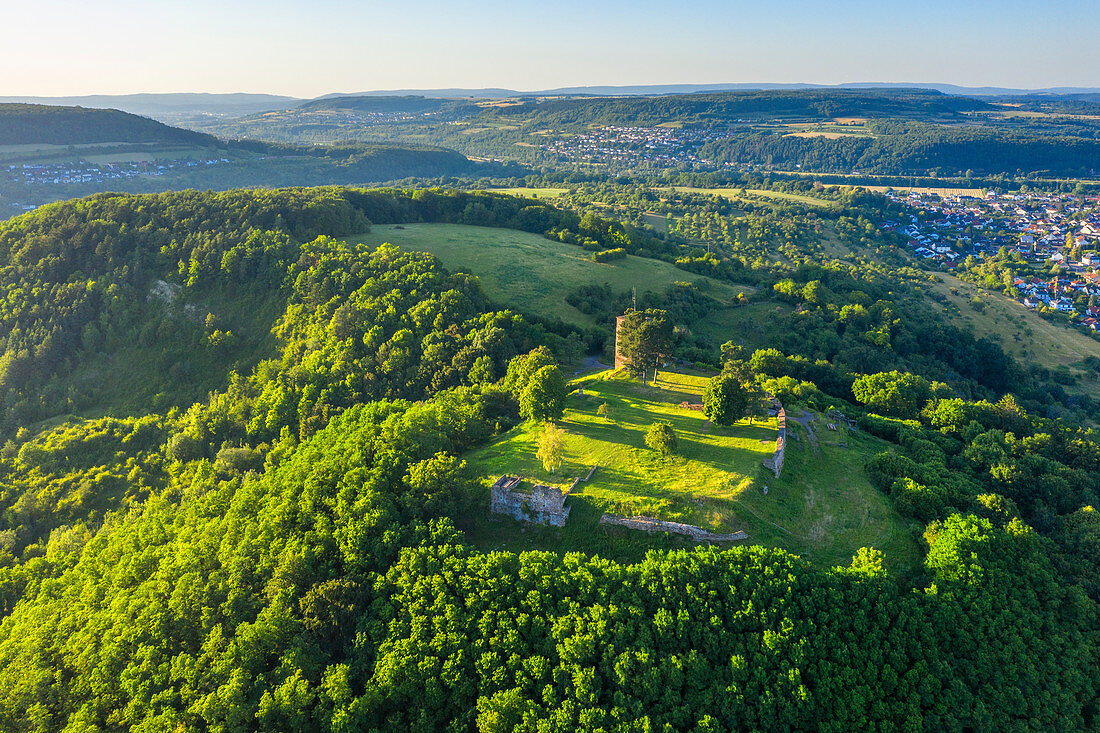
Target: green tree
(522,367)
(734,362)
(436,485)
(551,447)
(725,400)
(893,393)
(544,396)
(481,372)
(644,338)
(661,438)
(869,563)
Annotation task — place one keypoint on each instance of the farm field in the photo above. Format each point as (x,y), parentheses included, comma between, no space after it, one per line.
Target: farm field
(531,273)
(822,505)
(733,194)
(832,132)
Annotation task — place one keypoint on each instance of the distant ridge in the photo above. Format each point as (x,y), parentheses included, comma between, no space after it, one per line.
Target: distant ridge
(660,89)
(25,124)
(173,106)
(159,105)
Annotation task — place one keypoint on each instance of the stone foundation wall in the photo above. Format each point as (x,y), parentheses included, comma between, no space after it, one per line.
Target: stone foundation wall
(652,524)
(775,462)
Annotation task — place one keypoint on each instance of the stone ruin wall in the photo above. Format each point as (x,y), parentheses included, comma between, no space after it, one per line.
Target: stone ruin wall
(543,505)
(775,462)
(620,360)
(652,524)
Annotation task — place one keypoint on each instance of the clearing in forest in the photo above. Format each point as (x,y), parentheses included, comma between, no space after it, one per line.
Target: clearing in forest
(541,194)
(822,505)
(533,274)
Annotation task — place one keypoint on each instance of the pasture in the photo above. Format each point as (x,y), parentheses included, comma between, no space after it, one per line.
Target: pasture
(531,273)
(1020,332)
(542,194)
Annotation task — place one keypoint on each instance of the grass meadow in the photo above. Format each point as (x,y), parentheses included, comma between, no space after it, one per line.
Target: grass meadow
(822,505)
(531,273)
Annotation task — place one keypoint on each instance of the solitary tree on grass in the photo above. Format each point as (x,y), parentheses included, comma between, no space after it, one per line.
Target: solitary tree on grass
(661,438)
(644,338)
(551,447)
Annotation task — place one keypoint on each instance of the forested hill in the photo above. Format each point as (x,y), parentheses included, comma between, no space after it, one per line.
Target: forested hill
(281,553)
(23,124)
(729,107)
(408,104)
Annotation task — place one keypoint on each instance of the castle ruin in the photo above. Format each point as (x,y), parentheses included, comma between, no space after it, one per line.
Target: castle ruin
(775,462)
(539,504)
(620,360)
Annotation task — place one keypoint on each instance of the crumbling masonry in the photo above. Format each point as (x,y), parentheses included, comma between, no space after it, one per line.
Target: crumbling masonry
(775,462)
(539,504)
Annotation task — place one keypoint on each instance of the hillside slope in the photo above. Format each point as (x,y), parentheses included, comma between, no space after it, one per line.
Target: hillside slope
(534,274)
(282,553)
(25,124)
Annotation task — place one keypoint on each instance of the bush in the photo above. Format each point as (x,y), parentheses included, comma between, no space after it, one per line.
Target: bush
(661,438)
(609,255)
(725,401)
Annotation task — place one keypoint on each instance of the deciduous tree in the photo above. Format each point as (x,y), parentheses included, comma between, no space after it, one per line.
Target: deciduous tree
(662,438)
(551,447)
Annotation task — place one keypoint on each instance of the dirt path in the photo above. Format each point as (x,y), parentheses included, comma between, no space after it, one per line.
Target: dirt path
(590,364)
(806,420)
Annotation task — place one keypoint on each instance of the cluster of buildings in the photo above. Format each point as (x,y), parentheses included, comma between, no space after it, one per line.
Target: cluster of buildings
(31,174)
(635,145)
(1062,294)
(363,117)
(1044,229)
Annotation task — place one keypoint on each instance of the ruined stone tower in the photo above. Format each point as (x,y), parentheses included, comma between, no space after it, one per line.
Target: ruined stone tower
(620,360)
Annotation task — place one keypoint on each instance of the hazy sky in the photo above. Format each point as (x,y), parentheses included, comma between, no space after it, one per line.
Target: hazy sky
(69,47)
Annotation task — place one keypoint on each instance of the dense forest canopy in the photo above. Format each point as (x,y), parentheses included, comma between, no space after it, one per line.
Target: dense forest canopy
(265,539)
(24,124)
(902,146)
(407,104)
(726,107)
